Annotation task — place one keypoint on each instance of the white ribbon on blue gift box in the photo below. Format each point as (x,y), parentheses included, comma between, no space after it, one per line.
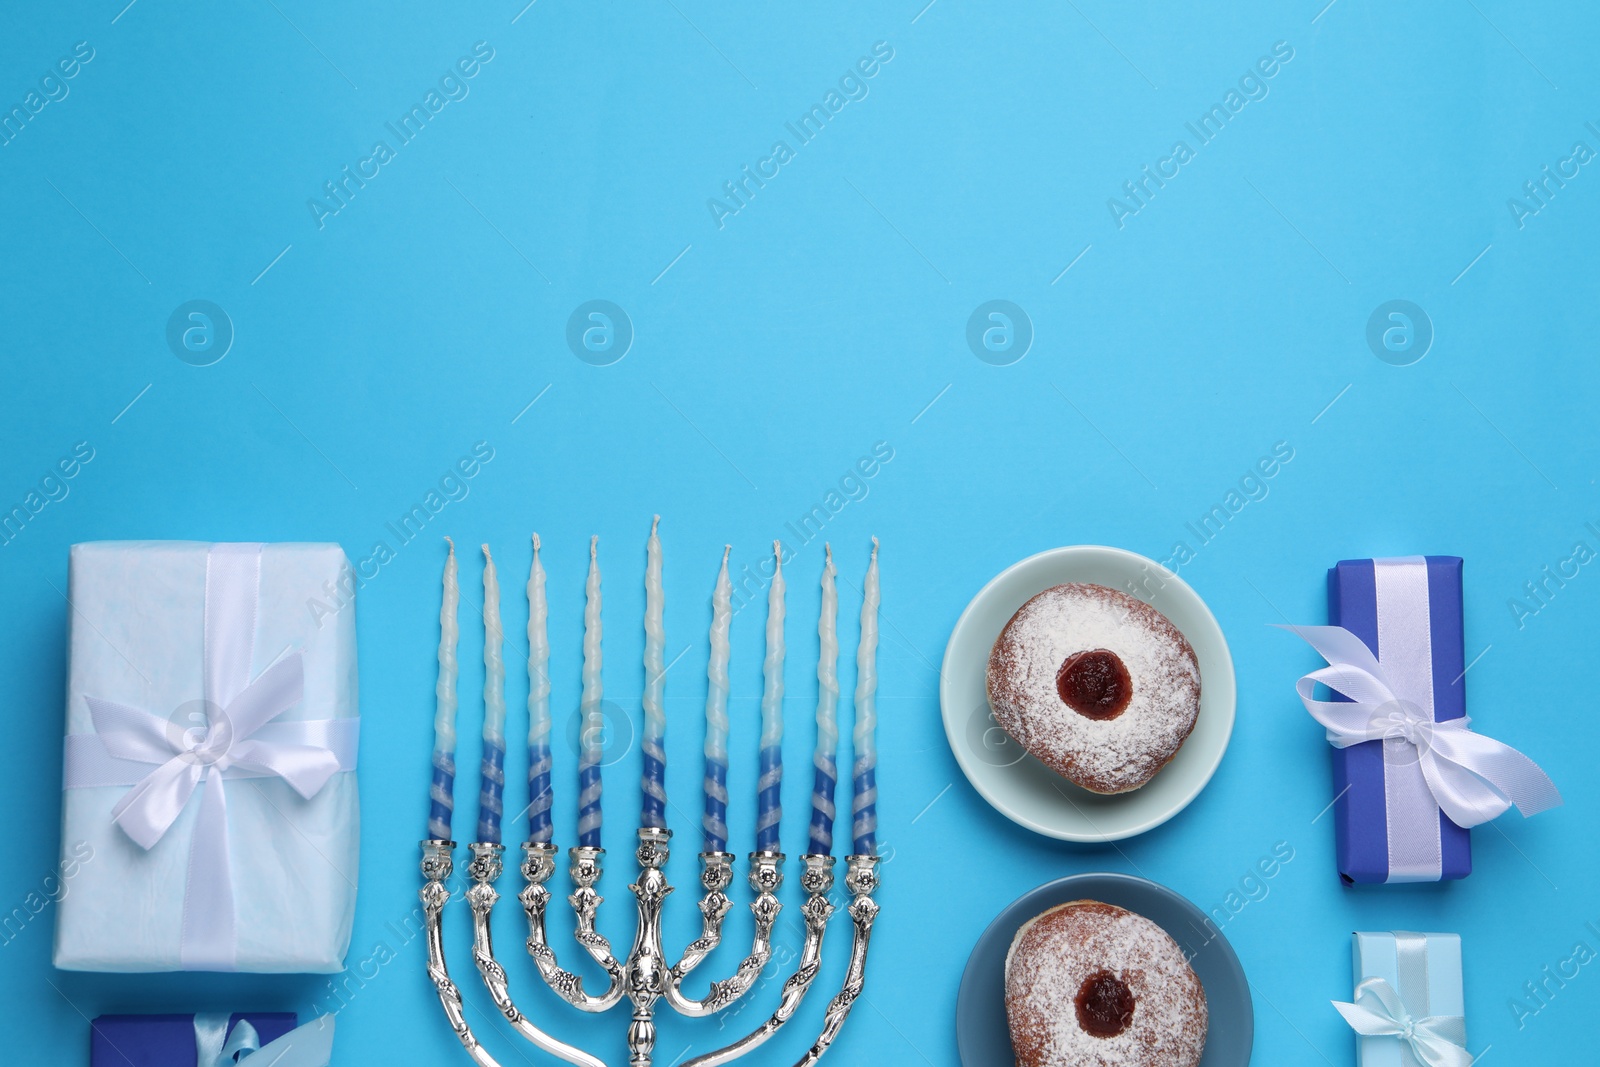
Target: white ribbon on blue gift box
(310,1045)
(240,740)
(1470,777)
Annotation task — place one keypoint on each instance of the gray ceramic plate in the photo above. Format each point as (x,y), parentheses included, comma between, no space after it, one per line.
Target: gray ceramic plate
(982,1036)
(1022,788)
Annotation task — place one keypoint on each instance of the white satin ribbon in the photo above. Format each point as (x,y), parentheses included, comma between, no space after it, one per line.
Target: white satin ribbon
(1472,778)
(238,741)
(1435,1040)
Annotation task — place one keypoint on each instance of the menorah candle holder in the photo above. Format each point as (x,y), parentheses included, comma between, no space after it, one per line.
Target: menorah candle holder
(644,978)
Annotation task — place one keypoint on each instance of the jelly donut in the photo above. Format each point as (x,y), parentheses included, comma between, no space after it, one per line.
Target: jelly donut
(1096,684)
(1094,985)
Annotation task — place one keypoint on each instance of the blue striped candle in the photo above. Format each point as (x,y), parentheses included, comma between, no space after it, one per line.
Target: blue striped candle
(653,777)
(593,718)
(540,795)
(865,802)
(492,770)
(715,820)
(440,793)
(826,758)
(769,786)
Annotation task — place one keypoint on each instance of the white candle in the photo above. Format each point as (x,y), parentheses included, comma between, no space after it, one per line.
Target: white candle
(825,759)
(539,759)
(494,668)
(441,802)
(593,718)
(652,779)
(492,774)
(715,820)
(769,786)
(865,802)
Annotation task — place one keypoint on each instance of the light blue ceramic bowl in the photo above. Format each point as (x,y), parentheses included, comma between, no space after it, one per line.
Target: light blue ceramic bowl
(1022,788)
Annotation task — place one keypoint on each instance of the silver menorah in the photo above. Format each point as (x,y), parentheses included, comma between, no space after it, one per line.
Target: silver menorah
(644,976)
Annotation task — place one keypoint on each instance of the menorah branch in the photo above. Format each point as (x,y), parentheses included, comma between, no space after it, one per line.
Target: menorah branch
(437,866)
(766,875)
(818,882)
(716,874)
(538,864)
(862,881)
(485,870)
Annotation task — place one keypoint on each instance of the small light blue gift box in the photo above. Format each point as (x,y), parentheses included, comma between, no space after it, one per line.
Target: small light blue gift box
(1408,1000)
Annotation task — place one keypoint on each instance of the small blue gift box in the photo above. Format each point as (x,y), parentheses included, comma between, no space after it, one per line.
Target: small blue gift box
(168,1040)
(1408,612)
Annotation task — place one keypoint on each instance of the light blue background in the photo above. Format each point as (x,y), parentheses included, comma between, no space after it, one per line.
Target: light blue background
(827,315)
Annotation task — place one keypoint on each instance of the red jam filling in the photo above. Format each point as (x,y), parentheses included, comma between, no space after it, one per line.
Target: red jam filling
(1105,1005)
(1095,684)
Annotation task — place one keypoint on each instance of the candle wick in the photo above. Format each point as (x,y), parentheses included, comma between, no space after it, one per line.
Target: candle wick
(653,524)
(452,545)
(536,541)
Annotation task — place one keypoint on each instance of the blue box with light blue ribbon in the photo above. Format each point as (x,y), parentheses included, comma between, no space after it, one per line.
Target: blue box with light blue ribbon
(1408,611)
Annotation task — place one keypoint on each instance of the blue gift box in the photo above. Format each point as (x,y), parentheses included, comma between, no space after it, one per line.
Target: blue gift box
(1421,622)
(167,1040)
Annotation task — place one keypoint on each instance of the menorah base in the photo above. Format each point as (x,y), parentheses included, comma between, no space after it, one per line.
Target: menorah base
(644,977)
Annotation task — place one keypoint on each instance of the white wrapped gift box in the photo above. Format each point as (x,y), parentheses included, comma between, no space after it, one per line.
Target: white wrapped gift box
(209,770)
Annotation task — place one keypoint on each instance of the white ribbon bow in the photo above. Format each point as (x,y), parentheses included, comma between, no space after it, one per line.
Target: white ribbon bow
(185,759)
(1379,1012)
(1473,778)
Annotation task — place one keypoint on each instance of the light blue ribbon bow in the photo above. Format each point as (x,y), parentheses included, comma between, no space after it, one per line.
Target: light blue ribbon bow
(310,1045)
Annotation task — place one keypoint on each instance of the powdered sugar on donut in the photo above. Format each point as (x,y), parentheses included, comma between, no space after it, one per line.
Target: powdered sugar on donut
(1103,755)
(1056,952)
